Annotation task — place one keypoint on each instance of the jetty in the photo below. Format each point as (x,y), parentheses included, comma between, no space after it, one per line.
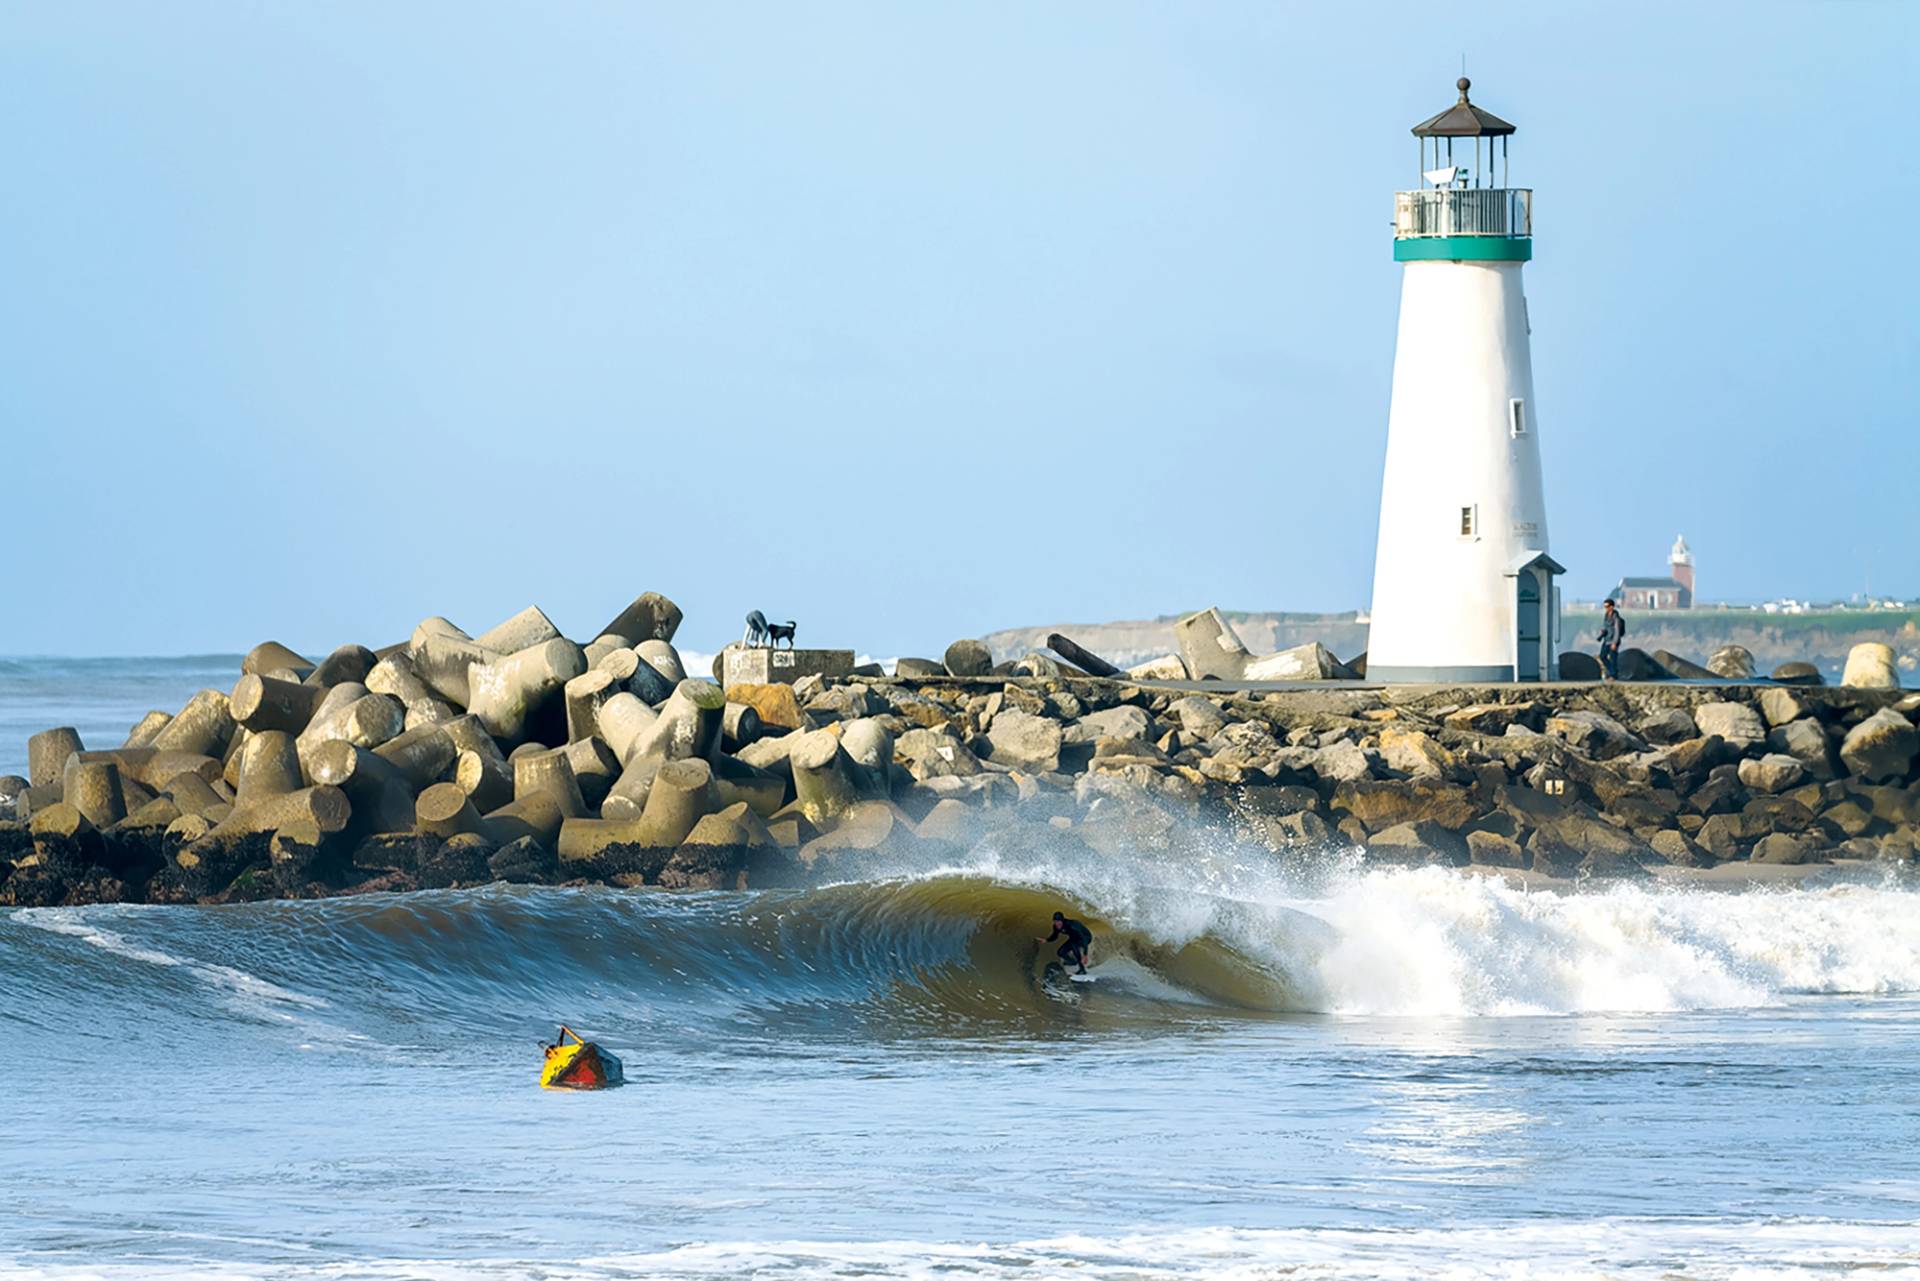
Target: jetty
(516,754)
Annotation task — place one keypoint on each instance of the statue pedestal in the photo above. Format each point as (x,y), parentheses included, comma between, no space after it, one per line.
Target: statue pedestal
(742,666)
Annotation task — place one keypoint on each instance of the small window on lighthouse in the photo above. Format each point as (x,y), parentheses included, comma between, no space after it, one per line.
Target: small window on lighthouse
(1517,416)
(1469,521)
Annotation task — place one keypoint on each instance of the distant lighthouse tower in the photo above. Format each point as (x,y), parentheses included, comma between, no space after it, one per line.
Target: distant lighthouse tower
(1680,563)
(1462,583)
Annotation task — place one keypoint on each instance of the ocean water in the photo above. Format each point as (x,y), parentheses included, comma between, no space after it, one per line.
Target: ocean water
(1342,1073)
(100,697)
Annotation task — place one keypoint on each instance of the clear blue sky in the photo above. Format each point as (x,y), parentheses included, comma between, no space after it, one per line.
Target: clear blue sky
(906,320)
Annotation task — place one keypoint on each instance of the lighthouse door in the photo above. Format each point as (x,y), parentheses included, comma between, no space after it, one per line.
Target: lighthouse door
(1529,621)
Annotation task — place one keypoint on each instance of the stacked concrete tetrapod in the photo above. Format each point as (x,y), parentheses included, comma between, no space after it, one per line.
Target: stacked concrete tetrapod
(451,742)
(1463,582)
(1211,650)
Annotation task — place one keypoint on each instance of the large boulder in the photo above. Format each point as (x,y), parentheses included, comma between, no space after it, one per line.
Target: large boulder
(1494,718)
(1305,829)
(1781,706)
(1280,817)
(1310,662)
(1881,747)
(1899,806)
(1781,847)
(969,658)
(1210,647)
(1593,734)
(1412,752)
(1576,666)
(1638,665)
(1251,737)
(842,703)
(916,707)
(1720,793)
(1576,836)
(1798,673)
(1682,668)
(1113,753)
(1680,851)
(935,753)
(1737,723)
(1732,662)
(1381,805)
(1025,741)
(1491,849)
(1666,726)
(1691,757)
(1870,665)
(1199,718)
(1772,773)
(1806,741)
(1643,809)
(774,704)
(1723,837)
(1124,721)
(1342,762)
(1416,842)
(1765,814)
(1169,667)
(1851,817)
(1212,650)
(1035,664)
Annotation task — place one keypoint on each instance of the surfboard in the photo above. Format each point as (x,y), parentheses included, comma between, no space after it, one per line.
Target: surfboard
(1083,978)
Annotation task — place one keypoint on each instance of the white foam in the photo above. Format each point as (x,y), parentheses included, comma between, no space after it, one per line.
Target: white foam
(1433,941)
(1586,1250)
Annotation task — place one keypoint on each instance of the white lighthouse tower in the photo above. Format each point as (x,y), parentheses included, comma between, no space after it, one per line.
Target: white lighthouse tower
(1462,582)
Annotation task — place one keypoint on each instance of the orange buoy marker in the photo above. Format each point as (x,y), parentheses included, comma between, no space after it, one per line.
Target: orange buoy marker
(579,1066)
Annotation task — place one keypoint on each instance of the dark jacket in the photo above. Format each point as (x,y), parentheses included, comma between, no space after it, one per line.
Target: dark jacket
(1613,628)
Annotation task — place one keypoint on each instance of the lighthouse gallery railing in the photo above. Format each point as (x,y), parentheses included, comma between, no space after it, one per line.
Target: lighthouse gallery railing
(1470,211)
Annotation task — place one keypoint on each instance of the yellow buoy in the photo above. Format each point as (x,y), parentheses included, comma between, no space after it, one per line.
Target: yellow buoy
(581,1065)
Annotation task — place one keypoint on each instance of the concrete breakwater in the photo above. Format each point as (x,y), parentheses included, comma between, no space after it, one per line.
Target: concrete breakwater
(519,755)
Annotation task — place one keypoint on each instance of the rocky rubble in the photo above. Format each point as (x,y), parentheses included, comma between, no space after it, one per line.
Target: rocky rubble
(519,755)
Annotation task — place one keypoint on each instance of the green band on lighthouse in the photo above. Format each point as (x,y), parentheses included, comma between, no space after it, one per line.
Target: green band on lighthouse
(1463,249)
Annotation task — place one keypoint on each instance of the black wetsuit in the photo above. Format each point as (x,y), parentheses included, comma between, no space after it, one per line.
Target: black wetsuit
(1074,950)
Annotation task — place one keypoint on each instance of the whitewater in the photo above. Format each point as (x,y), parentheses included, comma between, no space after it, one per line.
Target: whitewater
(1354,1073)
(1309,1070)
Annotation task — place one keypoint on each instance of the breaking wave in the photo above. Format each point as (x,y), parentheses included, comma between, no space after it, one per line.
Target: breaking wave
(953,947)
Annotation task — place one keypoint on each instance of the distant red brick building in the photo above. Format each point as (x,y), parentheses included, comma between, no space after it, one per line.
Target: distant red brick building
(1672,592)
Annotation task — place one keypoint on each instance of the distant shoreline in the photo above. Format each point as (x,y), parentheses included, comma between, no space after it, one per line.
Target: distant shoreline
(1819,637)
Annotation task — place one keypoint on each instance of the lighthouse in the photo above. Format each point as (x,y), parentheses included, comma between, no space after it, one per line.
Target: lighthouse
(1680,562)
(1463,584)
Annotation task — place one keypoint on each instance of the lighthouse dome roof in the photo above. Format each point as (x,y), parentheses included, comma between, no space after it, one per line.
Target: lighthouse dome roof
(1681,554)
(1463,120)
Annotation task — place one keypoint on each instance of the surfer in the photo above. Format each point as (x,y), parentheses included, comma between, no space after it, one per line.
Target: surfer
(1079,940)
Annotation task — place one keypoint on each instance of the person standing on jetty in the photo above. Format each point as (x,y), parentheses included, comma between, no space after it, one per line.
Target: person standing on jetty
(1079,940)
(1613,629)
